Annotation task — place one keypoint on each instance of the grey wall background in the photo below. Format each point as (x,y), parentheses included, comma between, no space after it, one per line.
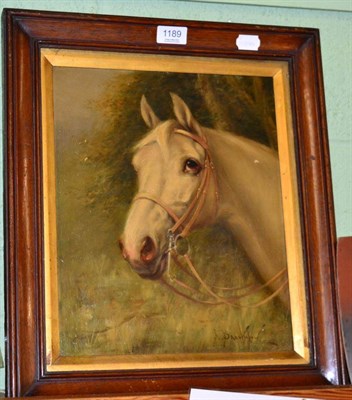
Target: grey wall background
(332,17)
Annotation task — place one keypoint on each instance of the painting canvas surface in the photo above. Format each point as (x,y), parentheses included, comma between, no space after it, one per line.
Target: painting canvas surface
(104,307)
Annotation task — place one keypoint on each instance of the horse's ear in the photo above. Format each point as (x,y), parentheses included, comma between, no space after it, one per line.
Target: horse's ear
(148,114)
(184,115)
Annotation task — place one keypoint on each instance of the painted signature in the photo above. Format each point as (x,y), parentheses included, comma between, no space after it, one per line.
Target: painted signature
(245,337)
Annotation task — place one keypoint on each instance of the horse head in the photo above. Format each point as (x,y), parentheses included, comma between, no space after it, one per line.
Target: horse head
(176,188)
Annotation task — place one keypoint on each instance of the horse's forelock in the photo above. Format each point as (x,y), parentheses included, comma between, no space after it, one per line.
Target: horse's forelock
(160,135)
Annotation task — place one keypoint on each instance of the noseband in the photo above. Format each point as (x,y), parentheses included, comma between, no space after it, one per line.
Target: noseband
(182,227)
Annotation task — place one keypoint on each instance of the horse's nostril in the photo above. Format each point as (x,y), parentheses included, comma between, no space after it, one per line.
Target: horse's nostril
(148,251)
(123,251)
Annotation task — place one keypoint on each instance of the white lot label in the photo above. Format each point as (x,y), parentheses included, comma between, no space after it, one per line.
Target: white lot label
(201,394)
(171,34)
(248,42)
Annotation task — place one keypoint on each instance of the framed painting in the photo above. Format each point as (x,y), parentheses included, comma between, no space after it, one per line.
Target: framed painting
(169,207)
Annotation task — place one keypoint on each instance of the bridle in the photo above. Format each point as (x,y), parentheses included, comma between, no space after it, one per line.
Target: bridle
(185,223)
(182,227)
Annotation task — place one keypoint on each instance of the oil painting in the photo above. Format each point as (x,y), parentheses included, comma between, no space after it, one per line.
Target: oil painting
(169,219)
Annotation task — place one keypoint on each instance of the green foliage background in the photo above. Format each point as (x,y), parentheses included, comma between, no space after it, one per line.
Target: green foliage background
(105,308)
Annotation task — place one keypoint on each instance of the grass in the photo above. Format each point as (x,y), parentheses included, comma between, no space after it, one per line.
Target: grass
(106,309)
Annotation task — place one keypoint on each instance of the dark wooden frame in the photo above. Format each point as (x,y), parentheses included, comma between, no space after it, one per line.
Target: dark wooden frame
(26,33)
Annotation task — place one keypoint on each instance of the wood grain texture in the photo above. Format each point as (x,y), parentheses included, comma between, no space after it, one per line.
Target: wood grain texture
(26,33)
(336,393)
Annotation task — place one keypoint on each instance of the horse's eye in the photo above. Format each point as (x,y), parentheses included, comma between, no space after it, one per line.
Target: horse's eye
(192,167)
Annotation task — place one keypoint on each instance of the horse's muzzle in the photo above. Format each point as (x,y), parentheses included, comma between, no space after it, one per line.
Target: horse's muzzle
(148,263)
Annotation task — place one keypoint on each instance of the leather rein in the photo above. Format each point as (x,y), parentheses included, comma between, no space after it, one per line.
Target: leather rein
(184,224)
